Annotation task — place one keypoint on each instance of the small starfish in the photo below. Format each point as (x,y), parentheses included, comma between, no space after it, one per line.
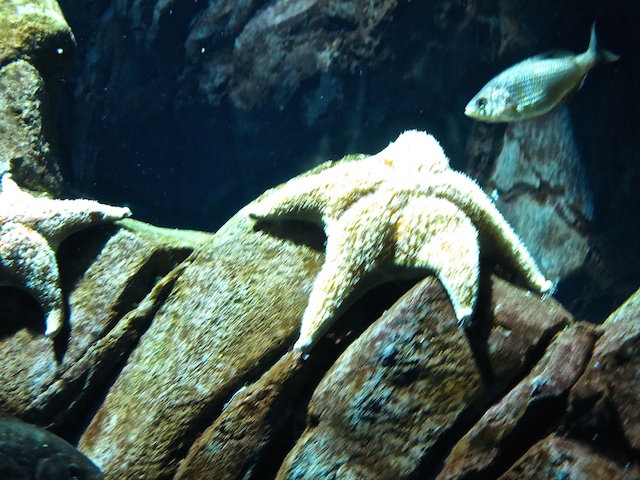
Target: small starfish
(31,229)
(403,207)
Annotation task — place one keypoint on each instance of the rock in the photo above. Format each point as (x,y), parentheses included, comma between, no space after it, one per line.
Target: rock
(302,40)
(234,310)
(118,279)
(238,439)
(388,399)
(556,457)
(540,186)
(607,393)
(226,45)
(36,30)
(396,395)
(37,49)
(25,126)
(501,426)
(516,325)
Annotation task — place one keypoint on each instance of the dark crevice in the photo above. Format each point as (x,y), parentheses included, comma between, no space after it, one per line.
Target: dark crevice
(84,393)
(495,388)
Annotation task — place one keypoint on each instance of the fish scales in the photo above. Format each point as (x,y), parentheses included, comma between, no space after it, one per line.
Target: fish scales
(541,81)
(534,86)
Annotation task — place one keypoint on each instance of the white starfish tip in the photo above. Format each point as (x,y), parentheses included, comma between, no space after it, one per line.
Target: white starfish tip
(464,315)
(303,344)
(547,286)
(53,322)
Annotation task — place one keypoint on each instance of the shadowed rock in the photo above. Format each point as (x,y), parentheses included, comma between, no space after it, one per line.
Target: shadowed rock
(556,457)
(607,393)
(231,314)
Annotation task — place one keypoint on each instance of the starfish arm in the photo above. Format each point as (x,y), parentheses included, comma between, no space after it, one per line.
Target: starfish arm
(53,219)
(434,234)
(303,198)
(27,261)
(61,218)
(357,243)
(321,197)
(469,197)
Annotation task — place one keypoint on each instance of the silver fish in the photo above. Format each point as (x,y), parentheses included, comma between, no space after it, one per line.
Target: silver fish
(28,452)
(534,86)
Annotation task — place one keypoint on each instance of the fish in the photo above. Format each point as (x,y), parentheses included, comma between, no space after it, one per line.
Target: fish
(28,452)
(534,86)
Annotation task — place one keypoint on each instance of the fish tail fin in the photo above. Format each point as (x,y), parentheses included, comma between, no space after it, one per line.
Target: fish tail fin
(596,54)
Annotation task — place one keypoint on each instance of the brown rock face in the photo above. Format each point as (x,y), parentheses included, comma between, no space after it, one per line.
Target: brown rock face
(37,48)
(303,38)
(556,457)
(550,379)
(390,397)
(227,42)
(607,393)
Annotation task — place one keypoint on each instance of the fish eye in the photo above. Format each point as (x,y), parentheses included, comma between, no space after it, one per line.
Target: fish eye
(481,103)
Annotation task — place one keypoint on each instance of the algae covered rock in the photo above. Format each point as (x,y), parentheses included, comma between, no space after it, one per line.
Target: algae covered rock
(189,336)
(36,30)
(37,48)
(115,280)
(25,128)
(233,311)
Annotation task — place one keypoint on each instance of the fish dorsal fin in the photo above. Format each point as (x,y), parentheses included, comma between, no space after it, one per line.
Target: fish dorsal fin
(553,54)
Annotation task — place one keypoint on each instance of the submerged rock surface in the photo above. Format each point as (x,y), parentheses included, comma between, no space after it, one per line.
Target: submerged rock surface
(202,395)
(183,331)
(176,362)
(25,127)
(37,48)
(538,179)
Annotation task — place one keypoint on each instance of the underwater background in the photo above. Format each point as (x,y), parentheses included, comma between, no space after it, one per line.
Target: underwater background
(186,111)
(172,353)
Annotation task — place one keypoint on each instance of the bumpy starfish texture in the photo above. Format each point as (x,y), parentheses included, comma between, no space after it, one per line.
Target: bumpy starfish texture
(31,229)
(403,207)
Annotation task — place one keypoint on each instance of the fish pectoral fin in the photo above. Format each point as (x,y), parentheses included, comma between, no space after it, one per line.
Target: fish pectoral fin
(579,86)
(571,93)
(513,106)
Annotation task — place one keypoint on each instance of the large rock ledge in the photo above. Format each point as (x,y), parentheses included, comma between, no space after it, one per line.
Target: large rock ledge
(176,358)
(183,332)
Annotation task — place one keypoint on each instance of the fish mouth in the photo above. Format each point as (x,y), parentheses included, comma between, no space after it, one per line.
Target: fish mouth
(469,111)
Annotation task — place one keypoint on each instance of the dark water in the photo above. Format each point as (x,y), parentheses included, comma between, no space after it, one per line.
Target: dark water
(140,127)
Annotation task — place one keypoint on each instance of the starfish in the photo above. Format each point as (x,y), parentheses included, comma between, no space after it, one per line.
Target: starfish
(403,207)
(31,229)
